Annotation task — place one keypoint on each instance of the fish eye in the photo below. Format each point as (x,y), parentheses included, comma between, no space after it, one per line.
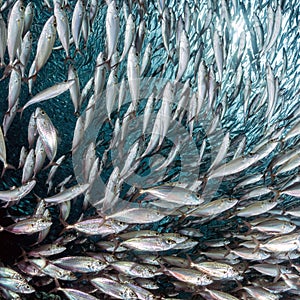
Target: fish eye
(117,7)
(136,54)
(22,8)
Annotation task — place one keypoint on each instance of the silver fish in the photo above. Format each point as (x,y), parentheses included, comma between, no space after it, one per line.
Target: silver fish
(45,44)
(47,133)
(15,29)
(3,40)
(63,27)
(174,194)
(112,25)
(28,17)
(81,264)
(77,19)
(68,194)
(49,93)
(29,226)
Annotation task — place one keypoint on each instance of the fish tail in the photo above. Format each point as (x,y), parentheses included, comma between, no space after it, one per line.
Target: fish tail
(50,164)
(141,191)
(57,286)
(228,251)
(68,59)
(256,241)
(105,62)
(20,110)
(115,65)
(6,167)
(77,51)
(249,227)
(32,77)
(65,224)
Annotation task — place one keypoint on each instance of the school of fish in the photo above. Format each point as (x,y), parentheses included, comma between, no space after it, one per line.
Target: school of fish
(101,193)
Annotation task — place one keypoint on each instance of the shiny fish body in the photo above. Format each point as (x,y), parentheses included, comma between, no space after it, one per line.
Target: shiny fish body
(184,55)
(10,273)
(140,233)
(99,75)
(111,91)
(190,276)
(174,194)
(74,294)
(25,52)
(133,74)
(284,243)
(15,285)
(14,88)
(271,270)
(146,61)
(31,130)
(256,208)
(98,226)
(275,226)
(68,194)
(74,88)
(53,271)
(260,293)
(134,269)
(113,288)
(234,166)
(49,93)
(63,27)
(48,250)
(28,17)
(40,156)
(149,244)
(29,226)
(45,44)
(213,207)
(47,133)
(15,30)
(77,19)
(112,25)
(217,270)
(137,215)
(129,35)
(293,190)
(80,264)
(18,193)
(218,295)
(9,117)
(3,40)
